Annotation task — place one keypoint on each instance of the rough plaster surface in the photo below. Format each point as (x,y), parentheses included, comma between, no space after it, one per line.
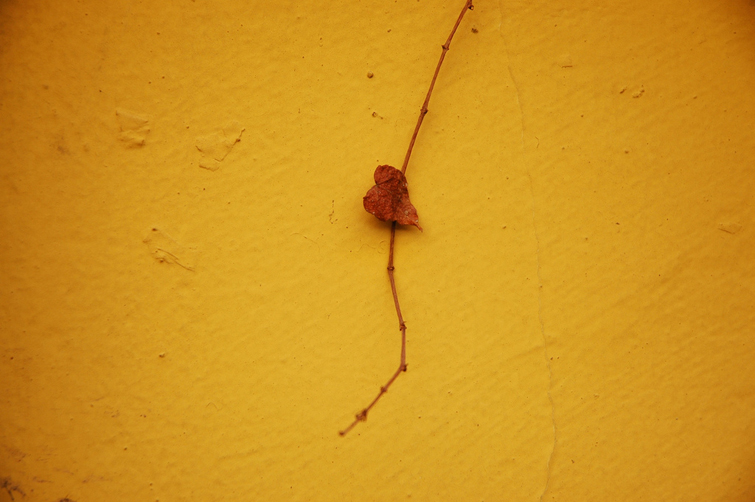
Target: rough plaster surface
(193,301)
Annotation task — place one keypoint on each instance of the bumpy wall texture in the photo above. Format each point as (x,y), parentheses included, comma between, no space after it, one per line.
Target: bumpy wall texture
(193,301)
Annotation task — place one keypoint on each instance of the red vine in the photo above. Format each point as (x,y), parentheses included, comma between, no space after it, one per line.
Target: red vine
(388,200)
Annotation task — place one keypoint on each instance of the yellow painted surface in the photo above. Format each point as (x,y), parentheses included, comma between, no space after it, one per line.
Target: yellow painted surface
(193,301)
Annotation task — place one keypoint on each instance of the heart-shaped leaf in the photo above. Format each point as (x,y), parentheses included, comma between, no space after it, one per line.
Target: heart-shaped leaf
(388,200)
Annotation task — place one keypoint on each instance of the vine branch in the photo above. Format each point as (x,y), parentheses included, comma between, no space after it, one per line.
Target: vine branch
(362,415)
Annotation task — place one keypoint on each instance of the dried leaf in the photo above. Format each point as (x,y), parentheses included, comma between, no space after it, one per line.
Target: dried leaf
(388,200)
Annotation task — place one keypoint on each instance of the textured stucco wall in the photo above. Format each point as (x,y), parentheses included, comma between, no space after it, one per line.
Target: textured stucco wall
(193,301)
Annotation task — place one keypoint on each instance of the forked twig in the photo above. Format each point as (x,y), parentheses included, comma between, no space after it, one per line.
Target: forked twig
(362,415)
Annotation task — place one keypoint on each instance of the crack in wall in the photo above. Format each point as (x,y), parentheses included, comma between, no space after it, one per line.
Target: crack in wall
(539,279)
(545,341)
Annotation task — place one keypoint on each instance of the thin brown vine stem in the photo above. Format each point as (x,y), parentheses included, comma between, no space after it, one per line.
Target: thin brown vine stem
(362,415)
(423,111)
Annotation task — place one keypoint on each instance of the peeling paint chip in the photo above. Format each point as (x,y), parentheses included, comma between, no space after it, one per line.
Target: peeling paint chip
(134,128)
(730,228)
(215,147)
(166,250)
(564,61)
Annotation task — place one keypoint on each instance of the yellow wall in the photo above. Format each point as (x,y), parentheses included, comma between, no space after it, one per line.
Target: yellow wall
(193,301)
